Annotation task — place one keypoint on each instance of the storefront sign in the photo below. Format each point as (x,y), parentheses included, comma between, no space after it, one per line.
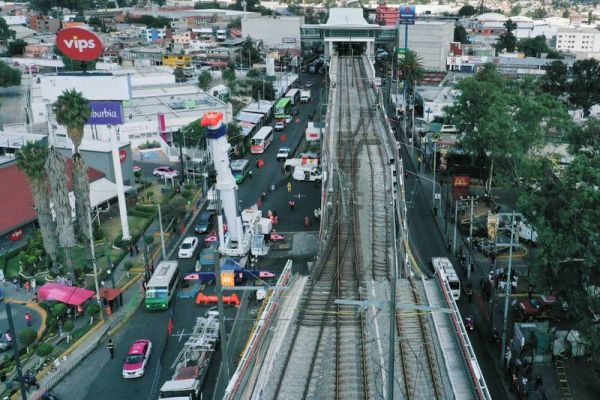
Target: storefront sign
(79,44)
(122,155)
(106,113)
(460,186)
(408,15)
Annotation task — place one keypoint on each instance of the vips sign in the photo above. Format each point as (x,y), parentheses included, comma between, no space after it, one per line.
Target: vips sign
(106,113)
(79,44)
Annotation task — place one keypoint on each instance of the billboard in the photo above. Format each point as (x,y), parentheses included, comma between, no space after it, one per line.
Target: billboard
(460,186)
(79,44)
(106,113)
(408,15)
(93,86)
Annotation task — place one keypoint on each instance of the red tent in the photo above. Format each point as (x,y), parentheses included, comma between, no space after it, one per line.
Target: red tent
(72,295)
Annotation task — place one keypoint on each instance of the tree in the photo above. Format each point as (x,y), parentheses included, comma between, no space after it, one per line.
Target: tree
(195,135)
(44,350)
(506,125)
(250,52)
(27,337)
(204,80)
(554,81)
(229,74)
(43,6)
(466,11)
(554,54)
(586,138)
(515,10)
(9,76)
(263,90)
(507,39)
(460,34)
(92,310)
(584,88)
(17,47)
(58,310)
(68,327)
(533,47)
(538,13)
(251,5)
(566,13)
(411,69)
(5,32)
(73,110)
(31,159)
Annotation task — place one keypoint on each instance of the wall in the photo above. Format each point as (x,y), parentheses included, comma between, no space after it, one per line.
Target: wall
(275,33)
(102,161)
(431,40)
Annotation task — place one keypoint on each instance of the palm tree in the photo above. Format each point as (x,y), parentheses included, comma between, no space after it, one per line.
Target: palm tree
(411,69)
(73,110)
(31,159)
(59,195)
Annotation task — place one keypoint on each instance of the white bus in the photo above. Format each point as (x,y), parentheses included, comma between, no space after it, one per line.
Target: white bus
(446,273)
(262,140)
(161,288)
(293,94)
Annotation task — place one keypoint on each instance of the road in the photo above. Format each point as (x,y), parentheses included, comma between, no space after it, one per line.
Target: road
(98,377)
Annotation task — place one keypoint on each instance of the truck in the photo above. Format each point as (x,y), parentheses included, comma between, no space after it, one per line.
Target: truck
(192,363)
(307,173)
(304,96)
(312,132)
(206,258)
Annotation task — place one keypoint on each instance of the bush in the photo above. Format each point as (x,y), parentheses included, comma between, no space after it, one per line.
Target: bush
(128,265)
(149,211)
(149,145)
(187,194)
(27,336)
(188,186)
(3,262)
(92,310)
(68,326)
(44,350)
(59,309)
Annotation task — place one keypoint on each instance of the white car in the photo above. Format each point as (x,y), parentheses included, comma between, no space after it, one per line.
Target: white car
(165,171)
(188,247)
(279,125)
(283,154)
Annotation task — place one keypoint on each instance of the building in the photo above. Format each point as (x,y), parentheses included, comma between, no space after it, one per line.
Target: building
(274,32)
(141,56)
(44,24)
(39,50)
(176,60)
(581,42)
(430,40)
(385,15)
(150,35)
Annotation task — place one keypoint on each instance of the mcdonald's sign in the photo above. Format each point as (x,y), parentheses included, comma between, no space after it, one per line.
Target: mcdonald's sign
(461,185)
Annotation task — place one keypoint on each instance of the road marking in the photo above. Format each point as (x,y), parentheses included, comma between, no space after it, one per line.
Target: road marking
(180,334)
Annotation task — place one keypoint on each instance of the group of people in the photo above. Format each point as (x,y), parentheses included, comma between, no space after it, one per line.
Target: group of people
(519,372)
(134,250)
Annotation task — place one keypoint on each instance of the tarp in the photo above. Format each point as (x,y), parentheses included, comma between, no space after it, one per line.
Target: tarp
(110,293)
(72,295)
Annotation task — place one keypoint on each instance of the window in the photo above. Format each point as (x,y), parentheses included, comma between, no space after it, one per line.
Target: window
(157,293)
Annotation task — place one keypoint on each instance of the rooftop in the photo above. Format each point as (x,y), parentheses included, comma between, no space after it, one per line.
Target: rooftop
(346,16)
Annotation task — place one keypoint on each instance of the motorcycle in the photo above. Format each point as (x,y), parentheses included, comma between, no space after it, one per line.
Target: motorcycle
(470,323)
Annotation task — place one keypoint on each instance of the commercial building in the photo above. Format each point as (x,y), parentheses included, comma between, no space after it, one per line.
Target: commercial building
(581,42)
(275,32)
(430,40)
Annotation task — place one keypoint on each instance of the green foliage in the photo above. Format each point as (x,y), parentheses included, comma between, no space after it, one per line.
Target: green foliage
(538,13)
(253,73)
(5,31)
(27,336)
(44,350)
(92,310)
(149,145)
(204,80)
(68,326)
(554,54)
(460,34)
(411,69)
(249,51)
(507,124)
(584,88)
(533,47)
(9,76)
(263,90)
(229,74)
(174,210)
(128,265)
(148,240)
(17,47)
(507,39)
(59,309)
(194,135)
(251,5)
(207,6)
(72,110)
(515,10)
(467,11)
(586,138)
(235,24)
(149,195)
(149,21)
(554,81)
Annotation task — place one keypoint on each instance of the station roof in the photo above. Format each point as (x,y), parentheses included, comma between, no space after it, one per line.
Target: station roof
(346,17)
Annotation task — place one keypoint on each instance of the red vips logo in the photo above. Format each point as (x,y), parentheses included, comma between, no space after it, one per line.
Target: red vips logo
(79,44)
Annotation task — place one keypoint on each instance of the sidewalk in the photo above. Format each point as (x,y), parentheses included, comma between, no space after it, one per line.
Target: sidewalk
(132,298)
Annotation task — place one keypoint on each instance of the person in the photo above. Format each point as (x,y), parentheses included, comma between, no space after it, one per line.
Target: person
(110,345)
(289,187)
(137,249)
(530,291)
(8,336)
(493,258)
(27,287)
(130,250)
(16,282)
(28,319)
(263,196)
(469,292)
(292,204)
(250,174)
(538,382)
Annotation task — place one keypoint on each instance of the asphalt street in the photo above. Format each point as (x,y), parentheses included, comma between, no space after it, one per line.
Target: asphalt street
(98,377)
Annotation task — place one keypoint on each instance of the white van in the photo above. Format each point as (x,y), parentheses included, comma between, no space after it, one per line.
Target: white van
(527,233)
(309,174)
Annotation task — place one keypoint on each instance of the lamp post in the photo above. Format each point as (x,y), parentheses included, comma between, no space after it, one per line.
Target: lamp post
(109,271)
(508,285)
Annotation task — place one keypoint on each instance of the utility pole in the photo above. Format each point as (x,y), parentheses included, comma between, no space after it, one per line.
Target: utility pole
(162,234)
(508,286)
(472,199)
(225,362)
(455,226)
(13,341)
(182,177)
(95,267)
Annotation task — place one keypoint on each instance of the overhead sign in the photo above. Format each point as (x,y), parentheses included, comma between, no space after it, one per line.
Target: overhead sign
(408,15)
(106,113)
(79,44)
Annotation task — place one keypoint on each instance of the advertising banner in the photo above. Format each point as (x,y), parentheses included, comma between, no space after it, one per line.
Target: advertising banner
(106,113)
(460,186)
(79,44)
(408,15)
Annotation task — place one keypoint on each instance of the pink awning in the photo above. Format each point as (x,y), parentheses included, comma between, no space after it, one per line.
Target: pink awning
(72,295)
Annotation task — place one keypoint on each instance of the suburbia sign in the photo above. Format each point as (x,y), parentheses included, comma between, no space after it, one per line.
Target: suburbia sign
(106,113)
(79,44)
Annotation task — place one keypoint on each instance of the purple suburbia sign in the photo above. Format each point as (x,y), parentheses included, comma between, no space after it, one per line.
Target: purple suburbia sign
(106,113)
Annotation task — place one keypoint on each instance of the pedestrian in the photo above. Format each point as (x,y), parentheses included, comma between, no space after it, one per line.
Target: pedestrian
(469,292)
(27,287)
(110,345)
(33,284)
(130,250)
(137,249)
(306,221)
(538,382)
(289,187)
(493,258)
(8,336)
(292,204)
(16,282)
(250,174)
(28,319)
(435,211)
(530,291)
(263,196)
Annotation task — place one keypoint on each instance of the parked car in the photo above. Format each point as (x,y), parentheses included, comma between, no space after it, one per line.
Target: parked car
(134,365)
(204,223)
(543,307)
(165,171)
(308,84)
(188,247)
(283,153)
(279,125)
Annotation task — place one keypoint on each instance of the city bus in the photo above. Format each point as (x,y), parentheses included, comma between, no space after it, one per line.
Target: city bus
(161,288)
(240,169)
(282,108)
(294,95)
(261,141)
(446,273)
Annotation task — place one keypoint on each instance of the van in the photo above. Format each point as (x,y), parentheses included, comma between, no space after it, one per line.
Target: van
(308,174)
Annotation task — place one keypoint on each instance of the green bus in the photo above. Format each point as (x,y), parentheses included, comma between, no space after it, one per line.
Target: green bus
(240,170)
(282,108)
(161,288)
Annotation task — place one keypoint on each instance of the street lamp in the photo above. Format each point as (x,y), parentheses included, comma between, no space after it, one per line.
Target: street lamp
(109,270)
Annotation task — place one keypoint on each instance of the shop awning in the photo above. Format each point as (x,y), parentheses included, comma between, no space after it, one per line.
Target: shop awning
(110,294)
(71,295)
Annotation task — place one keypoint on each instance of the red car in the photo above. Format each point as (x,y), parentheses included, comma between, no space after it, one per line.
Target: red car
(538,308)
(137,358)
(165,171)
